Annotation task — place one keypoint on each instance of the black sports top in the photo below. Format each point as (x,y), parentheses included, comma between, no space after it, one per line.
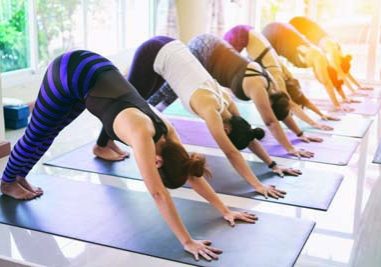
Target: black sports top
(111,94)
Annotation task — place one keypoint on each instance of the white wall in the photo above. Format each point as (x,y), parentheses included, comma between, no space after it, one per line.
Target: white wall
(192,18)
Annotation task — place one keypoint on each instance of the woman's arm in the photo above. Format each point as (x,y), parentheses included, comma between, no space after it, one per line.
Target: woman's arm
(315,109)
(257,92)
(291,124)
(299,112)
(258,150)
(216,127)
(143,146)
(203,188)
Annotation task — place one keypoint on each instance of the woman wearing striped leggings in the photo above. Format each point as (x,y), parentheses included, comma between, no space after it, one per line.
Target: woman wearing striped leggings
(162,57)
(82,79)
(259,49)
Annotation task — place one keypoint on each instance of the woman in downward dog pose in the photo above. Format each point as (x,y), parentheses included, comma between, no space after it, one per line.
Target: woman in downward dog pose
(260,50)
(162,58)
(289,43)
(318,36)
(249,81)
(82,79)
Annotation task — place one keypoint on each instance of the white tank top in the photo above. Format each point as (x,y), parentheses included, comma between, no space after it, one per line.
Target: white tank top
(185,74)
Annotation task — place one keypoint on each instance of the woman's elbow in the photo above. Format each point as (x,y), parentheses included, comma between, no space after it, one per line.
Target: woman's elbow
(160,195)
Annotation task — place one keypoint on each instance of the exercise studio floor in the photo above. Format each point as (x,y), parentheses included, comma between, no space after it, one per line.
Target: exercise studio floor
(330,244)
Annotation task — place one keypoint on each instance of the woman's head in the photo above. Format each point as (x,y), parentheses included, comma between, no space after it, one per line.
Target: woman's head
(280,104)
(345,63)
(241,134)
(295,92)
(178,165)
(332,73)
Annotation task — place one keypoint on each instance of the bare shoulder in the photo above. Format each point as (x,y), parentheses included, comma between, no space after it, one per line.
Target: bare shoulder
(132,122)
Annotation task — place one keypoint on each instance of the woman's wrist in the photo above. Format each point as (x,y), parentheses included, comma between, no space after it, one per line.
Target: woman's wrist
(300,134)
(186,241)
(272,165)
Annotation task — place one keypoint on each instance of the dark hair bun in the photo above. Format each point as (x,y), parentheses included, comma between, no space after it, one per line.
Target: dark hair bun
(257,133)
(195,165)
(280,104)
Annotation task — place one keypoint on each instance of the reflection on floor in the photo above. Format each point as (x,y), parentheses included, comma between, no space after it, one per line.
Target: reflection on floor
(330,244)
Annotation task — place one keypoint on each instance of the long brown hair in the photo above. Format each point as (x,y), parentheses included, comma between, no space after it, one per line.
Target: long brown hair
(178,165)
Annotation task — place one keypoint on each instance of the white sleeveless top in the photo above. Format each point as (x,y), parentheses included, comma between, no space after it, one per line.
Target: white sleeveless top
(185,74)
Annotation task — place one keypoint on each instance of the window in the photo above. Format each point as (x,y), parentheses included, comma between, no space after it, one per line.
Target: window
(56,26)
(59,27)
(14,53)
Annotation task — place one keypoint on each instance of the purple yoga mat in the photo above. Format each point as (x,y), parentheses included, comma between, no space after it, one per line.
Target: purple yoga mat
(333,150)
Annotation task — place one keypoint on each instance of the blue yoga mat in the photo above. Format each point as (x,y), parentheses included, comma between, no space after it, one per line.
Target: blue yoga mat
(301,191)
(129,220)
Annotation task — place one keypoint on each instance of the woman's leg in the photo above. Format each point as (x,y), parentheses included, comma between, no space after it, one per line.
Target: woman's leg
(52,108)
(106,149)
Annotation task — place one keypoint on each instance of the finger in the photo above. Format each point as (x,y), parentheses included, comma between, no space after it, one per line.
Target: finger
(196,257)
(205,255)
(247,219)
(292,172)
(206,242)
(266,194)
(215,250)
(211,254)
(231,222)
(279,194)
(281,191)
(273,195)
(251,216)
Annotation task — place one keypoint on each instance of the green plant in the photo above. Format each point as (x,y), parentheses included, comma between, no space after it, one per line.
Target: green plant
(13,39)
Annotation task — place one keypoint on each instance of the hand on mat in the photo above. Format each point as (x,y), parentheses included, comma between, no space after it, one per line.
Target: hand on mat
(307,139)
(301,153)
(322,127)
(281,171)
(232,216)
(270,191)
(359,93)
(352,100)
(330,118)
(366,88)
(344,109)
(203,248)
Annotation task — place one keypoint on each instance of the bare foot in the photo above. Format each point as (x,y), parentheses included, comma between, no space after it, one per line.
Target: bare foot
(111,144)
(24,183)
(16,191)
(107,153)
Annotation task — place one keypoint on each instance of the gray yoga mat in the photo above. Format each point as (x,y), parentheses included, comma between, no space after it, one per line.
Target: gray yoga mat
(344,127)
(314,190)
(333,150)
(129,220)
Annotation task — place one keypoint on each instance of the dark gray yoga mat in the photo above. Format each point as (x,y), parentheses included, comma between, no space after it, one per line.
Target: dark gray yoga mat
(129,220)
(313,190)
(377,156)
(344,127)
(333,150)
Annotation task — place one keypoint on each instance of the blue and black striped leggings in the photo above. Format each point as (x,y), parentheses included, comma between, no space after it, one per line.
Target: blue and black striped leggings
(66,83)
